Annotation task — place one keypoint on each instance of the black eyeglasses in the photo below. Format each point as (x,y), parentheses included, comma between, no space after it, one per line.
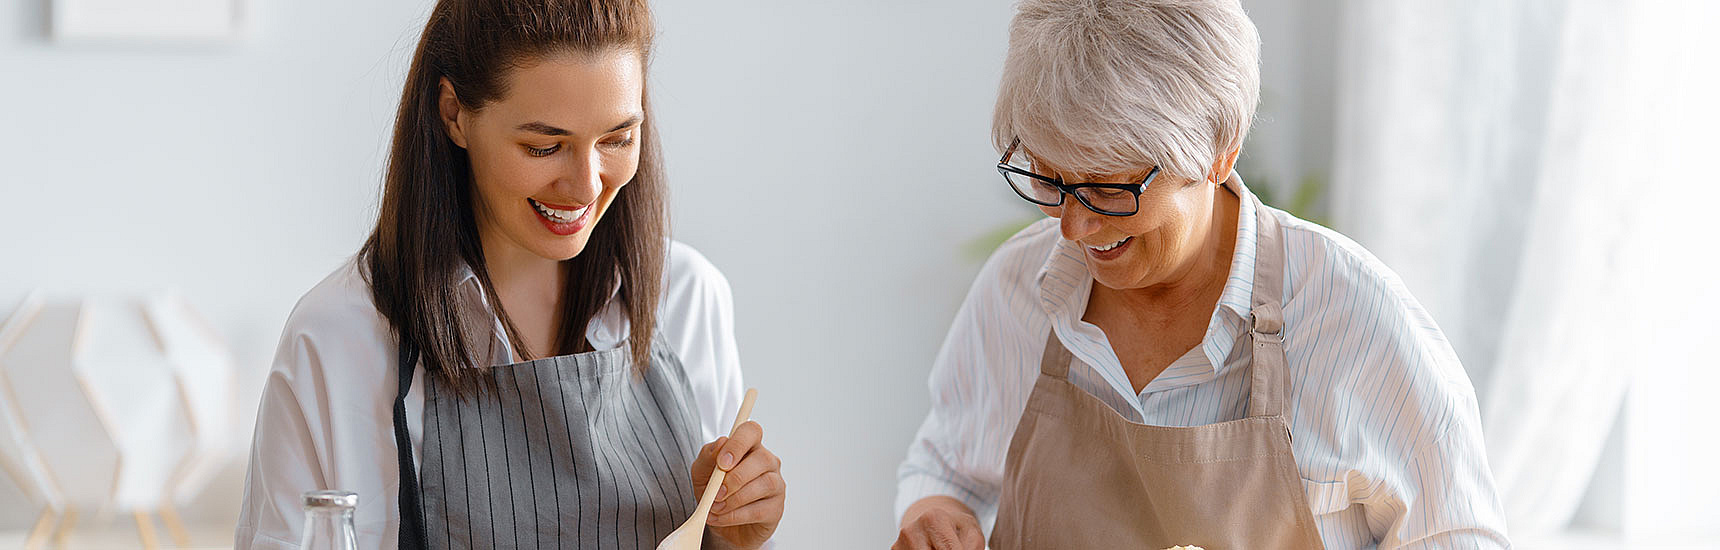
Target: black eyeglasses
(1110,199)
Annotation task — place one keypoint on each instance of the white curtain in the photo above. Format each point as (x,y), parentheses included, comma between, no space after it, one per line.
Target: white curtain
(1539,173)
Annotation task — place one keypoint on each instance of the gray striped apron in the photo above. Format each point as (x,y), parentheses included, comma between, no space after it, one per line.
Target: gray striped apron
(575,451)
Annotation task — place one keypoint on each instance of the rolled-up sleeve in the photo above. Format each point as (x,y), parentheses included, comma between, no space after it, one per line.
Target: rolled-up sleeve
(1442,496)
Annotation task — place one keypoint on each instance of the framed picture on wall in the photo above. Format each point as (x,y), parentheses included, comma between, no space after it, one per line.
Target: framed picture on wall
(153,21)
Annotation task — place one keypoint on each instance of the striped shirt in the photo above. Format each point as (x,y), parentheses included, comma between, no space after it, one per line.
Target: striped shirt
(1387,434)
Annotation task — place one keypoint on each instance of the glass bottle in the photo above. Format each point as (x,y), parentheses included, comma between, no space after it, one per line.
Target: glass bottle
(328,521)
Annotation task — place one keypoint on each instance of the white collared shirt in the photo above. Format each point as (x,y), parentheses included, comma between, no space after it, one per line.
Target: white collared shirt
(1387,435)
(326,417)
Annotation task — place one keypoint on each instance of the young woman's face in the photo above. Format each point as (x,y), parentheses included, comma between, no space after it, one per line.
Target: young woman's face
(549,157)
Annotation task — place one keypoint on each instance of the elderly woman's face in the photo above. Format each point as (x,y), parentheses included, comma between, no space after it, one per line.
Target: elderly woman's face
(1159,244)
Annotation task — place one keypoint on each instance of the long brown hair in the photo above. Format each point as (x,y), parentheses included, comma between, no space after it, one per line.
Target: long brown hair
(426,226)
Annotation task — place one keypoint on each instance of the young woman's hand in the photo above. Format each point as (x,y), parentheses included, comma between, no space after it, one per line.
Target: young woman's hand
(750,502)
(939,523)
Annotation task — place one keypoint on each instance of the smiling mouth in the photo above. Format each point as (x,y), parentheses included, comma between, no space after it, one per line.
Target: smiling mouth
(1109,247)
(559,215)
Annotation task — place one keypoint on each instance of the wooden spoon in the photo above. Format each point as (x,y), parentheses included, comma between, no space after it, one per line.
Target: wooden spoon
(692,533)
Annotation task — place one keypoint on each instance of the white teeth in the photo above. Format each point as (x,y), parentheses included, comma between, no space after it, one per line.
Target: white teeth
(1108,247)
(559,216)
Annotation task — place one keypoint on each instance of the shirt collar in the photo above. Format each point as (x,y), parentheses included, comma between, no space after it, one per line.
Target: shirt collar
(1064,284)
(1238,296)
(471,291)
(472,295)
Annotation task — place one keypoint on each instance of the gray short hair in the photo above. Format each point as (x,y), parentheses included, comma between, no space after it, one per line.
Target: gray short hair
(1109,86)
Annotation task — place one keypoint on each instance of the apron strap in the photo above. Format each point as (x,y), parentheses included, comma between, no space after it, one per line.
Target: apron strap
(1270,372)
(1055,362)
(411,534)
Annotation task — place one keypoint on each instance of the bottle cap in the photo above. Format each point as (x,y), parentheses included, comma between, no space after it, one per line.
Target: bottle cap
(331,499)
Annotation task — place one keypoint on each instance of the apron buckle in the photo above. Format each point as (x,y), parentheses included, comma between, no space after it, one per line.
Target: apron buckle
(1267,320)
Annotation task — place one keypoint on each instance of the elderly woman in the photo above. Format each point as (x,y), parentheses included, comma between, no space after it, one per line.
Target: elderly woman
(1166,361)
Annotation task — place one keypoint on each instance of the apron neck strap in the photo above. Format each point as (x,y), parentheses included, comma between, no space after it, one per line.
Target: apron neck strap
(1055,362)
(411,533)
(1270,371)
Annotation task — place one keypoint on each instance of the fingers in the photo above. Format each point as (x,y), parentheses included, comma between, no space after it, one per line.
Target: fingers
(728,452)
(928,536)
(746,436)
(943,533)
(911,539)
(768,510)
(754,477)
(756,463)
(940,523)
(766,485)
(705,461)
(972,538)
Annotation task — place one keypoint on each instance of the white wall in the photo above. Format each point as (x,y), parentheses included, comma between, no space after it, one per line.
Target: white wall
(239,174)
(1292,135)
(831,157)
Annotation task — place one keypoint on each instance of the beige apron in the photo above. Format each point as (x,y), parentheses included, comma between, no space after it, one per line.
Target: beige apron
(1079,475)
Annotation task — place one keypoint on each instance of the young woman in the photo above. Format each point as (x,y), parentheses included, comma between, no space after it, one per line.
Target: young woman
(517,357)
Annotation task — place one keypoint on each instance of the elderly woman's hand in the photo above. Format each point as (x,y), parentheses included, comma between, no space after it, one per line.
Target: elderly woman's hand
(749,504)
(939,523)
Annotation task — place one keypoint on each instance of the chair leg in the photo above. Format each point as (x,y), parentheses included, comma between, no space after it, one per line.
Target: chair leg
(175,528)
(43,528)
(67,521)
(145,529)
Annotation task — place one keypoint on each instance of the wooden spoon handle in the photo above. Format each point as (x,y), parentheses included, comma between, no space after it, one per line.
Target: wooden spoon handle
(746,410)
(717,473)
